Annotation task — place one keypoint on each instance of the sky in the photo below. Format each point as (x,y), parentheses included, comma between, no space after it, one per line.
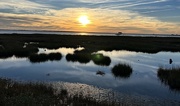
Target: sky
(127,16)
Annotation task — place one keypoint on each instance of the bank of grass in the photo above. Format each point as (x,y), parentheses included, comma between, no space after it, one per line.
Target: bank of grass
(32,94)
(170,77)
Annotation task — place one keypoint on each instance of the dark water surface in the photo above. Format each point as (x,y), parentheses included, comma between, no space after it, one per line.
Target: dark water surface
(142,81)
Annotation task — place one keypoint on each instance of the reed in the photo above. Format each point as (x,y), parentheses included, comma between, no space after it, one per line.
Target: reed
(170,77)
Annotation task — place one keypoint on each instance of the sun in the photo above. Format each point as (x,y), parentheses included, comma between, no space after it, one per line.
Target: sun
(84,20)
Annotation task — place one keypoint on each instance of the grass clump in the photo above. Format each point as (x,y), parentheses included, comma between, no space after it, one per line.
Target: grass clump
(170,77)
(78,57)
(100,59)
(55,56)
(37,58)
(122,70)
(82,57)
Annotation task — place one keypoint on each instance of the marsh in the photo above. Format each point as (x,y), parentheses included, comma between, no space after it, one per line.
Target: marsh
(63,59)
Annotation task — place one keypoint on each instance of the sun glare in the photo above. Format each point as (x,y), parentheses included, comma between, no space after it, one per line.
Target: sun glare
(84,20)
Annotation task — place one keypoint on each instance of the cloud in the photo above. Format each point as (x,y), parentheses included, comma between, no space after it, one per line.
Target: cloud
(102,21)
(129,3)
(107,16)
(22,7)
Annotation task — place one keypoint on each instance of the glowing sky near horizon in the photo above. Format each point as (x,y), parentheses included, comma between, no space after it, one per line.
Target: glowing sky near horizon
(129,16)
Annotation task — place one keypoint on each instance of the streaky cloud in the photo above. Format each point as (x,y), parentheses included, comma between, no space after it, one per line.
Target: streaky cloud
(132,4)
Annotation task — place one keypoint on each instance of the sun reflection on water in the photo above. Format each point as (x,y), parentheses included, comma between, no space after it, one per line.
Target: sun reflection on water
(64,51)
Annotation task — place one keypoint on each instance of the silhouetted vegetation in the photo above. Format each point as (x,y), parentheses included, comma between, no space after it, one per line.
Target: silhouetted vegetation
(122,70)
(78,57)
(37,58)
(40,94)
(55,56)
(170,77)
(83,57)
(5,54)
(14,94)
(13,44)
(18,52)
(99,59)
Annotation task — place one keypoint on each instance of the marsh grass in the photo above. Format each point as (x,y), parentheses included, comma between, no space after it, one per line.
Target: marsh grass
(100,59)
(14,93)
(55,56)
(84,57)
(78,57)
(37,58)
(13,43)
(122,70)
(18,52)
(5,54)
(170,77)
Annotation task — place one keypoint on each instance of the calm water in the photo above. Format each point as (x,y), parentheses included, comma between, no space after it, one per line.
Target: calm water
(142,81)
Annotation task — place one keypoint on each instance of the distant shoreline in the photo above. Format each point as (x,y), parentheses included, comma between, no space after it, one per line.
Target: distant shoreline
(6,31)
(90,43)
(58,31)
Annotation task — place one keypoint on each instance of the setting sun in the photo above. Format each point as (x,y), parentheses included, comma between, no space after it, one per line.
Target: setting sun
(84,20)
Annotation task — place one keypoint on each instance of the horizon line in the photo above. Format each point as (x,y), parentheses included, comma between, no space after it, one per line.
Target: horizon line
(83,32)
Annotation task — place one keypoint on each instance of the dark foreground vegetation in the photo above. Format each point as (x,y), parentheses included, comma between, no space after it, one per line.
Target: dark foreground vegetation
(39,94)
(170,77)
(22,45)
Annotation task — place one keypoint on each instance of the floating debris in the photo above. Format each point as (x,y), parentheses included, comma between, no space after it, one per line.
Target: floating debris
(100,73)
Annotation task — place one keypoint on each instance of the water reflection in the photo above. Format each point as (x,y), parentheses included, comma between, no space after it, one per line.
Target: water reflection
(12,62)
(63,50)
(122,71)
(170,77)
(141,80)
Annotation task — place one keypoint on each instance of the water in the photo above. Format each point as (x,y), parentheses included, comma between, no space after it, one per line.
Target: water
(142,81)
